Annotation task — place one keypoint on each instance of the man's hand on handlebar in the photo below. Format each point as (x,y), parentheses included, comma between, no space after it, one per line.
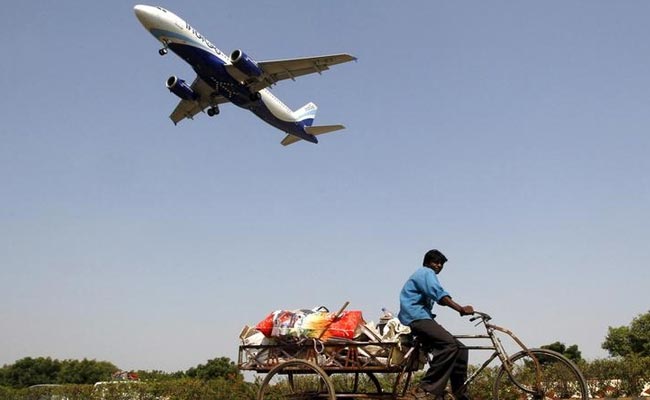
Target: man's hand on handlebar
(463,310)
(466,310)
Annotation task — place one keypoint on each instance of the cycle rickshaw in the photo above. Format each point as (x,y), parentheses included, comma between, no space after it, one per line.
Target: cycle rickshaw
(349,369)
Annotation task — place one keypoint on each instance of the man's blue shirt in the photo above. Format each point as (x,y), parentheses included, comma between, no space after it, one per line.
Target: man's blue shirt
(420,292)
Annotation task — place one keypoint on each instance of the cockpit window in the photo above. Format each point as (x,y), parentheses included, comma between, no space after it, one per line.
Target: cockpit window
(161,9)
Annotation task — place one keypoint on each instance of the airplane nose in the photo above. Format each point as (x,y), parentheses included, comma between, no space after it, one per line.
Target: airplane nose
(139,9)
(145,14)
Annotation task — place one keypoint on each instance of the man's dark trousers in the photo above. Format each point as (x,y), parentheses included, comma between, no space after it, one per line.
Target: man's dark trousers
(448,362)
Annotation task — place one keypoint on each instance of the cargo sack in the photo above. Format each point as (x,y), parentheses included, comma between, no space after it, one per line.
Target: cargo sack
(310,324)
(345,327)
(283,323)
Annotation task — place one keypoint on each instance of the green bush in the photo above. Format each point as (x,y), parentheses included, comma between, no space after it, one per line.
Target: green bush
(481,387)
(632,372)
(184,389)
(8,393)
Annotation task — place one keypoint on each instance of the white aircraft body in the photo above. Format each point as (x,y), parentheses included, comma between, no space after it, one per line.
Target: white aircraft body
(237,79)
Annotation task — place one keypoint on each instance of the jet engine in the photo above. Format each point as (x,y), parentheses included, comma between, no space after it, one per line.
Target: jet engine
(181,89)
(245,64)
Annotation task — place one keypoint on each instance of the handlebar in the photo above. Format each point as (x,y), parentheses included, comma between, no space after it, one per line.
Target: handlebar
(480,315)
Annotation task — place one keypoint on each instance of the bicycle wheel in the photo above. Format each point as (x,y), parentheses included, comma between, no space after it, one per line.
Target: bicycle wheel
(296,379)
(559,378)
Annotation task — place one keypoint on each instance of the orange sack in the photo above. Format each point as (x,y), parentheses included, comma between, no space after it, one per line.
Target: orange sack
(345,327)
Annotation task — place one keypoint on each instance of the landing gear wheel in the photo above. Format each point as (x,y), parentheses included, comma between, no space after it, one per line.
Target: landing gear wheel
(213,111)
(162,52)
(256,96)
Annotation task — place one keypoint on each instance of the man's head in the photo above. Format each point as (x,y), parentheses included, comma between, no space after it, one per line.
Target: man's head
(435,260)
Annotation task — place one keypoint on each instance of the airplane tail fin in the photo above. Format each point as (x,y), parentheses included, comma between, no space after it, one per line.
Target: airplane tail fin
(312,130)
(306,113)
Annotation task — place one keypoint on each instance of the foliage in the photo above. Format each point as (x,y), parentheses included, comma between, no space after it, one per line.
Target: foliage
(159,376)
(220,367)
(44,370)
(85,371)
(481,387)
(219,379)
(7,393)
(631,372)
(617,377)
(571,352)
(30,371)
(630,340)
(180,389)
(55,392)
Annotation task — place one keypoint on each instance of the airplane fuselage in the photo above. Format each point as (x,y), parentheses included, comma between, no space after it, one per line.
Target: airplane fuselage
(210,64)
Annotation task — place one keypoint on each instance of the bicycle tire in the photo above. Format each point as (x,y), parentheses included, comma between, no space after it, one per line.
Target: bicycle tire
(559,378)
(304,380)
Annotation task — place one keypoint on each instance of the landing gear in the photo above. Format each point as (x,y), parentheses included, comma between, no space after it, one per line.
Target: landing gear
(255,96)
(162,51)
(212,111)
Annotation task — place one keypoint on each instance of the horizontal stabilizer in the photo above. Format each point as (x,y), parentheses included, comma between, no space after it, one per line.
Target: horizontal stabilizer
(312,130)
(289,139)
(319,130)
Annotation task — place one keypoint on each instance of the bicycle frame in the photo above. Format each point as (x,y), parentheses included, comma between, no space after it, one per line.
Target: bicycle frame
(499,352)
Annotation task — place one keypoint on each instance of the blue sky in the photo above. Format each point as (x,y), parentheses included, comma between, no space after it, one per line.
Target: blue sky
(511,135)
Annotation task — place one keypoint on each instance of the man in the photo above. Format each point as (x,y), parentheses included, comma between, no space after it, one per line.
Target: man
(449,360)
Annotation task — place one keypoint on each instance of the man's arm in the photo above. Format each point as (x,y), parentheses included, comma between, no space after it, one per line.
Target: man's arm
(462,310)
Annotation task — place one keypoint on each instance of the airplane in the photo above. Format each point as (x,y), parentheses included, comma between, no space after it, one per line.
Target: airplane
(237,78)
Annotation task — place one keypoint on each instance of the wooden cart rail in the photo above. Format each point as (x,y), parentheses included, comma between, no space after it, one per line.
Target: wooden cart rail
(335,355)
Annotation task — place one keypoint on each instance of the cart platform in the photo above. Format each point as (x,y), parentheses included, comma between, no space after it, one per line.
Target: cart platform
(334,355)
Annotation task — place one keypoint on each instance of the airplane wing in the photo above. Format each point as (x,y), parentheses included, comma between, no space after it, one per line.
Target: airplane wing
(189,108)
(278,70)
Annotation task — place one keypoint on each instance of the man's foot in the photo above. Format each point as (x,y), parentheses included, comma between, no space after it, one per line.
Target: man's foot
(420,394)
(416,394)
(457,396)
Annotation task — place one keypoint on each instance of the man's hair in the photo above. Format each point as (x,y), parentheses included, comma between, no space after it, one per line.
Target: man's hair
(434,256)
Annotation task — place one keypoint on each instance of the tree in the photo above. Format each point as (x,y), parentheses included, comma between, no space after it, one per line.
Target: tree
(220,367)
(85,371)
(43,370)
(630,340)
(159,376)
(571,352)
(30,371)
